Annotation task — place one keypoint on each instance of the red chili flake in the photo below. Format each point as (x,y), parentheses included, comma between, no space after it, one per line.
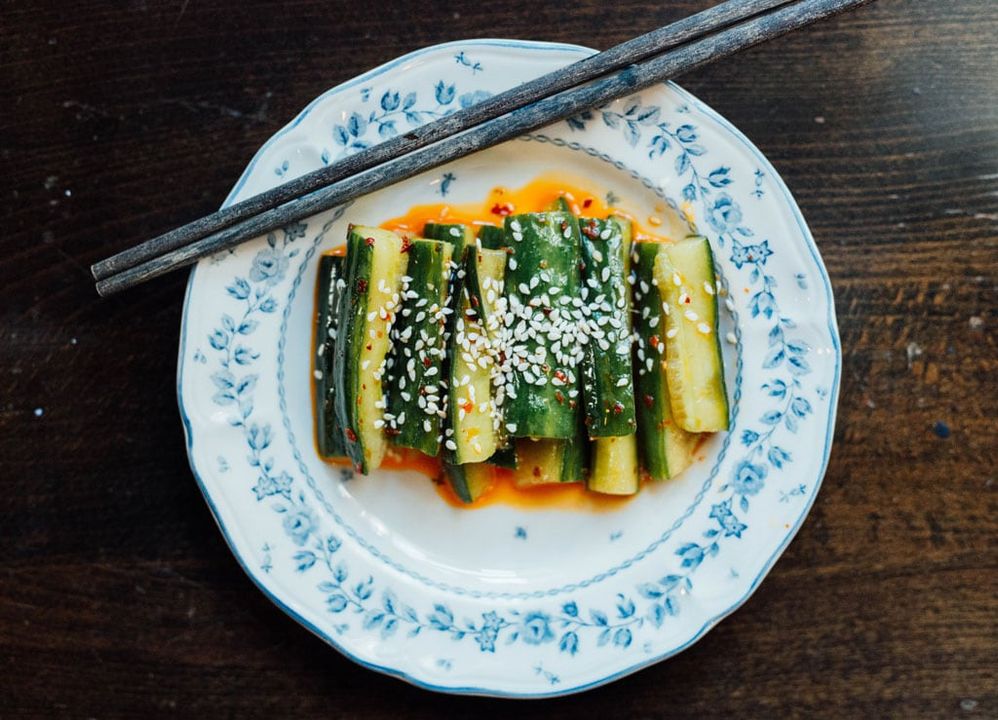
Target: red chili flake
(502,209)
(361,285)
(559,397)
(543,264)
(572,404)
(351,435)
(561,375)
(649,402)
(590,230)
(392,432)
(406,244)
(587,202)
(654,341)
(369,241)
(468,406)
(582,266)
(545,368)
(358,468)
(537,471)
(688,300)
(474,301)
(618,408)
(368,346)
(427,362)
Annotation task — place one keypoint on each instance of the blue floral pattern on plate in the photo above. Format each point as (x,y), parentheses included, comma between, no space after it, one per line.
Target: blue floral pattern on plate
(578,635)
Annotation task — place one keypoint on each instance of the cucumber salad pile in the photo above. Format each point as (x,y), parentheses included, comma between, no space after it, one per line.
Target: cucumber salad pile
(553,346)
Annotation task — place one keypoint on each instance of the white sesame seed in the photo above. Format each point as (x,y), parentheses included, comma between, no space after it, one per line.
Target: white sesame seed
(622,382)
(730,337)
(676,280)
(708,288)
(691,316)
(671,333)
(704,328)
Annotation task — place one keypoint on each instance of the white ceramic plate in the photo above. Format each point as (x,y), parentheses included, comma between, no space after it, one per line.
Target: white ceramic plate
(505,601)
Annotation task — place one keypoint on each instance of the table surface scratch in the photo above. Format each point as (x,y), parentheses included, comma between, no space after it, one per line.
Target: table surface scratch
(118,595)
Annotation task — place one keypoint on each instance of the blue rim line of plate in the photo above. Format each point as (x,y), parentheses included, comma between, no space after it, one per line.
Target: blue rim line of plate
(496,595)
(767,566)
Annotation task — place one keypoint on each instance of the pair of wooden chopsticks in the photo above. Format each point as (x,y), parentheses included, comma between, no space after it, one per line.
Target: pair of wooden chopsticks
(645,60)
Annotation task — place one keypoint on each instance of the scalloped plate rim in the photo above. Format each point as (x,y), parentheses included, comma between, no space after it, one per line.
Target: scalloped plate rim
(833,392)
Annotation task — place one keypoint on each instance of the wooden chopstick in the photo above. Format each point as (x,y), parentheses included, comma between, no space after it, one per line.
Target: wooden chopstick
(519,120)
(583,71)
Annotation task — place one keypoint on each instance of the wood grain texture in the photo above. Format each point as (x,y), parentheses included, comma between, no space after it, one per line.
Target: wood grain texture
(118,596)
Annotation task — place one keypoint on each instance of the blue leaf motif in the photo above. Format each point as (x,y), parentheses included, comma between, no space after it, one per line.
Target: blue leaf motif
(340,135)
(363,589)
(604,638)
(410,100)
(218,340)
(390,101)
(719,177)
(682,163)
(656,613)
(389,628)
(228,323)
(611,120)
(650,591)
(696,150)
(442,618)
(622,638)
(304,559)
(625,606)
(373,619)
(749,437)
(799,347)
(649,115)
(247,326)
(772,417)
(356,125)
(244,355)
(246,385)
(778,456)
(340,573)
(798,365)
(773,358)
(800,406)
(671,606)
(744,503)
(239,289)
(269,305)
(690,192)
(444,93)
(387,129)
(336,603)
(671,581)
(632,133)
(570,609)
(598,616)
(569,643)
(686,133)
(791,422)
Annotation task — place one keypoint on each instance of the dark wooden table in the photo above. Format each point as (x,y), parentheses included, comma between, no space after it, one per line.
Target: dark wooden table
(118,597)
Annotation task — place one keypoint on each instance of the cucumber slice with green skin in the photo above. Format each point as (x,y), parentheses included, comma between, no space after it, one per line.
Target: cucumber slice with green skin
(375,265)
(469,482)
(414,393)
(695,371)
(491,237)
(547,461)
(607,368)
(542,326)
(615,466)
(458,235)
(505,457)
(665,448)
(561,205)
(472,433)
(328,432)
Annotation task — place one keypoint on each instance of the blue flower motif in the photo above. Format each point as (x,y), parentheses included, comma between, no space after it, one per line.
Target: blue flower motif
(486,637)
(749,478)
(725,215)
(269,266)
(299,525)
(742,254)
(537,628)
